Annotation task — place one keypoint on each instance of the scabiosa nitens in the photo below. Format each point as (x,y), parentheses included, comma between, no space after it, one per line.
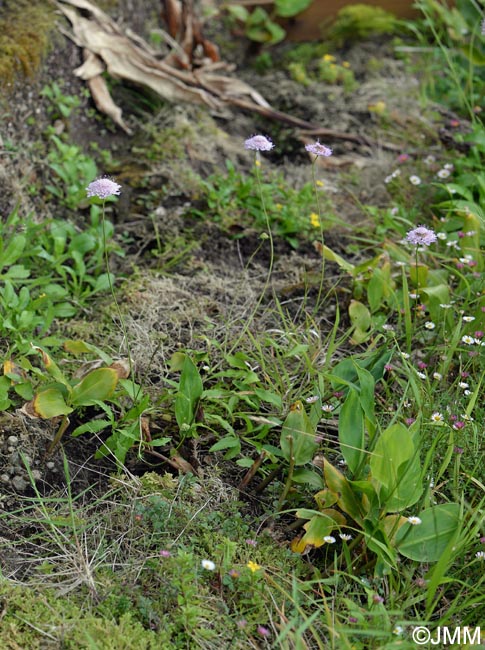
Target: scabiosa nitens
(103,188)
(258,143)
(318,149)
(421,236)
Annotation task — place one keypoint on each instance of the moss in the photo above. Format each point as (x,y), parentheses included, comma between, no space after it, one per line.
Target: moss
(24,37)
(39,620)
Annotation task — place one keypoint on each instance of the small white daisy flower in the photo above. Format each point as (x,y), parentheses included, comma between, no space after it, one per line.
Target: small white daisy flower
(448,166)
(208,565)
(463,384)
(468,340)
(429,325)
(345,537)
(398,630)
(443,173)
(414,521)
(442,235)
(438,376)
(405,355)
(329,539)
(421,375)
(445,306)
(327,408)
(312,399)
(437,417)
(415,180)
(429,160)
(468,319)
(480,555)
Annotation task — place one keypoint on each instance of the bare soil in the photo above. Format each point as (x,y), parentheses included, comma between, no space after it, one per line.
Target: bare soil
(215,286)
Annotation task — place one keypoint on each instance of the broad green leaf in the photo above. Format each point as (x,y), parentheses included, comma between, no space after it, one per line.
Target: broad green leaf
(320,525)
(190,391)
(50,403)
(297,438)
(304,476)
(288,8)
(395,469)
(94,426)
(367,398)
(329,255)
(361,320)
(325,498)
(52,368)
(428,540)
(338,484)
(374,363)
(351,430)
(12,251)
(239,12)
(97,385)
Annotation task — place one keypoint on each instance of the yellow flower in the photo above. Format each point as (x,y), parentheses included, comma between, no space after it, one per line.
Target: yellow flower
(328,57)
(278,206)
(346,64)
(315,220)
(257,163)
(319,184)
(253,566)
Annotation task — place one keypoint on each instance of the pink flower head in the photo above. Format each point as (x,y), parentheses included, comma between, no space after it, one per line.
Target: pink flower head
(421,236)
(258,143)
(165,553)
(263,631)
(318,149)
(102,188)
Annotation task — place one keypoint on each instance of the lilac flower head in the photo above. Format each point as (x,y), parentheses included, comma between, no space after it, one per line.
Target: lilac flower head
(102,188)
(259,143)
(421,236)
(318,149)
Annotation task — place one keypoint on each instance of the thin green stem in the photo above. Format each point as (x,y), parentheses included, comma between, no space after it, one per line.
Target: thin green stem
(322,237)
(271,260)
(120,315)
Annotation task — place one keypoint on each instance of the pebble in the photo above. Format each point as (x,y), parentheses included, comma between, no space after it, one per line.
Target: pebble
(19,483)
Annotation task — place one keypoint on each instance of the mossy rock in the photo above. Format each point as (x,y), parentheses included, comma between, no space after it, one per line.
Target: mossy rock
(24,37)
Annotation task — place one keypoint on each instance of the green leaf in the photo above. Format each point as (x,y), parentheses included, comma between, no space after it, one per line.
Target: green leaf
(190,391)
(95,426)
(427,541)
(288,8)
(53,369)
(395,469)
(238,12)
(297,438)
(304,476)
(329,255)
(12,251)
(351,430)
(338,484)
(97,385)
(50,403)
(361,320)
